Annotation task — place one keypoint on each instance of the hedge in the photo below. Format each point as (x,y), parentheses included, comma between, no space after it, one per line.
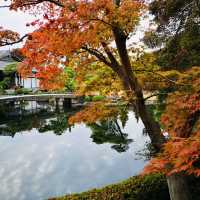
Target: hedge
(151,187)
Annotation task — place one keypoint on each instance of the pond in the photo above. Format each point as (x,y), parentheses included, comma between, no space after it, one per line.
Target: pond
(41,156)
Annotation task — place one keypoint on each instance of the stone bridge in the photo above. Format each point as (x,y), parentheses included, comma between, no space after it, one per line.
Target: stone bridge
(66,98)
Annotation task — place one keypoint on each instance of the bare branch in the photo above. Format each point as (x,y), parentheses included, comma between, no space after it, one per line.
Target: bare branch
(7,6)
(154,95)
(15,42)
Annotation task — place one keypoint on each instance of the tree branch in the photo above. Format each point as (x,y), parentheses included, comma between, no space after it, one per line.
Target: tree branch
(58,3)
(97,54)
(15,42)
(5,6)
(110,55)
(162,76)
(154,95)
(101,20)
(117,2)
(188,127)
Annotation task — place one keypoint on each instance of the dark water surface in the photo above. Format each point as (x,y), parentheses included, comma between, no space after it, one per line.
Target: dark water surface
(41,156)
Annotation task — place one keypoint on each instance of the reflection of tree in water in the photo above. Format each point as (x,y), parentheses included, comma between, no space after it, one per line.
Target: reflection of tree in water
(20,124)
(147,152)
(58,125)
(109,131)
(43,121)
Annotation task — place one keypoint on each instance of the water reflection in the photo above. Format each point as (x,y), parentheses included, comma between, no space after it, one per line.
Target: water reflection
(47,157)
(57,122)
(44,119)
(110,132)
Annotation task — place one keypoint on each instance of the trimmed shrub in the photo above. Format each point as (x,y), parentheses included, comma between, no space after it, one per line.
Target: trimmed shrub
(98,98)
(87,98)
(151,187)
(23,91)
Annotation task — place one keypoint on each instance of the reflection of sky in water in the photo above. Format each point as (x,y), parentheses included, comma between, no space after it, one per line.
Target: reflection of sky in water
(37,166)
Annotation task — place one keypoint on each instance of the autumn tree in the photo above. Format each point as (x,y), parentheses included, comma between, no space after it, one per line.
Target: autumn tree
(181,120)
(86,32)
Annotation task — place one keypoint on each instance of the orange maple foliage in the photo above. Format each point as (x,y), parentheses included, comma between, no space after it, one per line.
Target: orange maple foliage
(8,36)
(83,30)
(181,115)
(73,28)
(179,155)
(93,113)
(52,78)
(182,121)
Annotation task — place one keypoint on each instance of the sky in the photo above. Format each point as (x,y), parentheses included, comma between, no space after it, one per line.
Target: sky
(15,21)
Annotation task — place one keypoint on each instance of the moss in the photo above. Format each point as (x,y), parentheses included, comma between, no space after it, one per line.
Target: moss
(152,187)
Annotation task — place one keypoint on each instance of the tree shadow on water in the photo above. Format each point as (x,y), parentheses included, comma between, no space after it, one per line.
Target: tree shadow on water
(109,131)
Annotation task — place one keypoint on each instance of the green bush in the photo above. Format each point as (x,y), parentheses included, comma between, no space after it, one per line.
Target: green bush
(5,83)
(87,98)
(2,91)
(93,98)
(152,187)
(11,68)
(98,98)
(23,91)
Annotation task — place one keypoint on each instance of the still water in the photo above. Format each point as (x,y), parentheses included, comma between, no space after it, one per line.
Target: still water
(41,156)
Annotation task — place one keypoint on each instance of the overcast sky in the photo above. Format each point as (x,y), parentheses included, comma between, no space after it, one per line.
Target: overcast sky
(15,21)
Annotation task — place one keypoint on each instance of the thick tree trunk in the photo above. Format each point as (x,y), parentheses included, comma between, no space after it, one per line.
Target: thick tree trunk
(178,188)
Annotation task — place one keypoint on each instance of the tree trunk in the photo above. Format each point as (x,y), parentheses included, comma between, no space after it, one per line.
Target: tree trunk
(177,183)
(130,81)
(152,127)
(178,188)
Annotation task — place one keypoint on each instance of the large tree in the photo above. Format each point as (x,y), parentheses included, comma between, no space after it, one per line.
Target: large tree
(84,32)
